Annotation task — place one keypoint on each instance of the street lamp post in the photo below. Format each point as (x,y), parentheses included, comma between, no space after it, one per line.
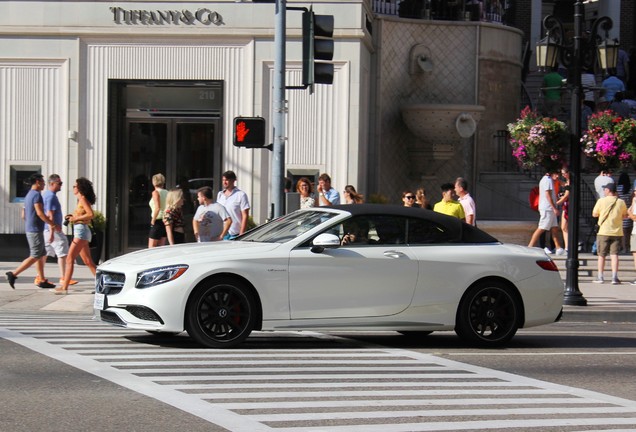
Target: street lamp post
(575,56)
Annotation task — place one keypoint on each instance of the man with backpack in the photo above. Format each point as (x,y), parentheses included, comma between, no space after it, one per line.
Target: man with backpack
(548,212)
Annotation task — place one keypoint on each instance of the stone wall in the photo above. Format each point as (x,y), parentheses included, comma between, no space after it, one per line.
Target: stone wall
(473,64)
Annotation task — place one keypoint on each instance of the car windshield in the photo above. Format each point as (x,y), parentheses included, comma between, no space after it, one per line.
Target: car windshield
(287,227)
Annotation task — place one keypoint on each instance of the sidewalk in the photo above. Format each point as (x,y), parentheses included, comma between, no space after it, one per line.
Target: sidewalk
(606,302)
(26,297)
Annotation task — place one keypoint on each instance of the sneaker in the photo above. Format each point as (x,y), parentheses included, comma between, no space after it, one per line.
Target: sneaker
(11,279)
(633,282)
(547,250)
(560,251)
(46,284)
(599,280)
(616,281)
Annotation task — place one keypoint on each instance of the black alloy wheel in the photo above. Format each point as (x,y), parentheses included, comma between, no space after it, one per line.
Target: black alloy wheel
(488,315)
(220,313)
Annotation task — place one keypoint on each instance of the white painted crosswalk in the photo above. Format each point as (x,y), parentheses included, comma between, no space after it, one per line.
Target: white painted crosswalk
(301,382)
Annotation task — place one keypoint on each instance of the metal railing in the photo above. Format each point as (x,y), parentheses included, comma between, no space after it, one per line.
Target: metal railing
(450,10)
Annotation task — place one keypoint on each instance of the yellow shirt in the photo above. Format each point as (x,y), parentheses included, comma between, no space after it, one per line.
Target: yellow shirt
(451,208)
(611,222)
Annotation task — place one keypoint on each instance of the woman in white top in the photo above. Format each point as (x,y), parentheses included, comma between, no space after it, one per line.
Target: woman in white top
(303,187)
(157,235)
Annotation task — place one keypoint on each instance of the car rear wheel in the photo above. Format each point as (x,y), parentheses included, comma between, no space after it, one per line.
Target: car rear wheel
(220,313)
(488,314)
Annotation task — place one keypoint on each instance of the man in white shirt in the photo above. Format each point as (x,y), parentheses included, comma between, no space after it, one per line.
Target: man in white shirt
(604,177)
(549,212)
(467,202)
(211,221)
(236,203)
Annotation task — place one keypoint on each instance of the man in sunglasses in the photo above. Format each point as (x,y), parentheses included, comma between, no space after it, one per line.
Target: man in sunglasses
(55,242)
(448,205)
(35,219)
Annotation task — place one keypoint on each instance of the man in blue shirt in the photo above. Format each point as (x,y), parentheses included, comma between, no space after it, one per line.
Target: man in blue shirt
(56,244)
(327,196)
(612,86)
(34,218)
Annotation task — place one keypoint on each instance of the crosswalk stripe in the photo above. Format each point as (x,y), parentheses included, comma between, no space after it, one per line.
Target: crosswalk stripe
(314,379)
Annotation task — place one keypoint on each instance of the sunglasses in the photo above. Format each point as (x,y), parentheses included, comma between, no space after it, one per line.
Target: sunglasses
(409,197)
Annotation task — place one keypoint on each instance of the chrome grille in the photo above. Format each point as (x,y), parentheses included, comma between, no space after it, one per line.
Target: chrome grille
(109,283)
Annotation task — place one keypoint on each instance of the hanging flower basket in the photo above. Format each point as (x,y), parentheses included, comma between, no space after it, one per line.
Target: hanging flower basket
(610,140)
(538,141)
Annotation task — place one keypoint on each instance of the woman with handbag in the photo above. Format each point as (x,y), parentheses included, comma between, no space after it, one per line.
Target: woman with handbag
(81,219)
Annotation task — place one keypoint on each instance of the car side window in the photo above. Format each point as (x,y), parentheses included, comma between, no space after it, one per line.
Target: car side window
(355,231)
(388,230)
(422,231)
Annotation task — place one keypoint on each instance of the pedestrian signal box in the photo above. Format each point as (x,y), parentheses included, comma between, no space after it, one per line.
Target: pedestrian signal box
(249,132)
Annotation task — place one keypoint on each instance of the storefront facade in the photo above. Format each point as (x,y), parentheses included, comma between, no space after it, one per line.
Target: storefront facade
(119,91)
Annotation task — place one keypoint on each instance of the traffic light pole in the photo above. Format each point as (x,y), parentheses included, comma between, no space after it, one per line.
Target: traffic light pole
(277,191)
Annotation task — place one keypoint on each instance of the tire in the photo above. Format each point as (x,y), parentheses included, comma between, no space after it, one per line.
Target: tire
(220,313)
(488,315)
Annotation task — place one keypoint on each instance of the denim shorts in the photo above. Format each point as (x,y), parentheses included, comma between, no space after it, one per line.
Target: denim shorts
(82,232)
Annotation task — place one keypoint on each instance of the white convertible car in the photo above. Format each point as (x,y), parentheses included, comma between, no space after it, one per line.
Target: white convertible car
(356,267)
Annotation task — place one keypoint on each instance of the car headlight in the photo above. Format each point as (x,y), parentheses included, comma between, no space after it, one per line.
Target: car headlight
(152,277)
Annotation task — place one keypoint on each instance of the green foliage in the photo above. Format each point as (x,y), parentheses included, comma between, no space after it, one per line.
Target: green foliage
(99,221)
(377,199)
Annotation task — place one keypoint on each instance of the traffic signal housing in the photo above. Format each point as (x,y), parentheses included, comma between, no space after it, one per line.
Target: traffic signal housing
(249,132)
(317,45)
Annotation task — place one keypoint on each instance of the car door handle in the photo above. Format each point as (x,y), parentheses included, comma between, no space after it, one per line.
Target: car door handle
(393,254)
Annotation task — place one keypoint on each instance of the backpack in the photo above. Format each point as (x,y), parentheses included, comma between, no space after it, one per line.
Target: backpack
(533,198)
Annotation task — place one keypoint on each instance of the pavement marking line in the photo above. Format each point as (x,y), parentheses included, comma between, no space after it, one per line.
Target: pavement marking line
(455,426)
(520,379)
(276,380)
(183,401)
(537,353)
(432,413)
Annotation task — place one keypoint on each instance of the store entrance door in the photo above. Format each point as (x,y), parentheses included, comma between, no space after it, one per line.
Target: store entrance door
(185,150)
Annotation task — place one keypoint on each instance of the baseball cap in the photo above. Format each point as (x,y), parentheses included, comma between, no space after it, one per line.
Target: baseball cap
(610,186)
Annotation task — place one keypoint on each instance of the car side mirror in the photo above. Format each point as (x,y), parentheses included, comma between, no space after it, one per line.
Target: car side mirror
(325,241)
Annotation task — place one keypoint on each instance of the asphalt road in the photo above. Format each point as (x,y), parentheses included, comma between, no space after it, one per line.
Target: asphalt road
(62,372)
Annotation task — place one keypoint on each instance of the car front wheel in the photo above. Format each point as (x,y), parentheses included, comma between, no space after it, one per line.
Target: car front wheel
(220,314)
(488,315)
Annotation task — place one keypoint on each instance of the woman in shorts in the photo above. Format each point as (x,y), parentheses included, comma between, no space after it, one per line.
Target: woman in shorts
(81,219)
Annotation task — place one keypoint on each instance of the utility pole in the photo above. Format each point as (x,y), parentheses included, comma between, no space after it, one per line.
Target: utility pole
(278,116)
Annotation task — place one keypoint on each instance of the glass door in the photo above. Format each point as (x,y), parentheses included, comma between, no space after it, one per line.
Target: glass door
(146,155)
(186,151)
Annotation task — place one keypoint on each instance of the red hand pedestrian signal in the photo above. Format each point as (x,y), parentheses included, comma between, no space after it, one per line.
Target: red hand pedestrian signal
(249,132)
(241,131)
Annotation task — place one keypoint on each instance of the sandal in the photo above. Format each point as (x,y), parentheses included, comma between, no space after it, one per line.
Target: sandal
(59,291)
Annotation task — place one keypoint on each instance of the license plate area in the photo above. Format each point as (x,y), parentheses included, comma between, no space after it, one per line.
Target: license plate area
(100,302)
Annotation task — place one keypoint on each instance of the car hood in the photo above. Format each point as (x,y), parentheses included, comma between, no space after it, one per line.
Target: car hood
(192,252)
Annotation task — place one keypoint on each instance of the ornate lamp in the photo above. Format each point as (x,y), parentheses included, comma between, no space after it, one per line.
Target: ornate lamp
(575,56)
(607,54)
(547,53)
